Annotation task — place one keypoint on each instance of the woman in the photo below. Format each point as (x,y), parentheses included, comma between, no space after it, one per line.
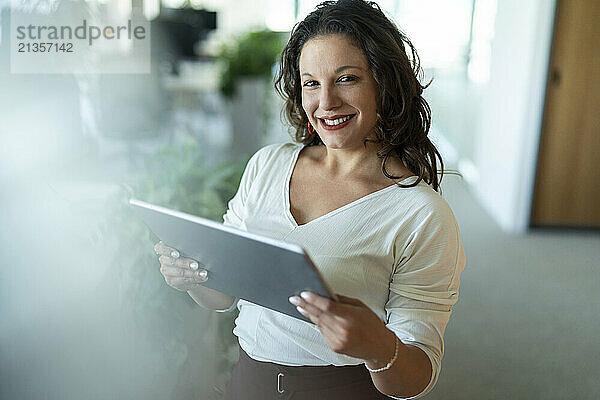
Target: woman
(358,190)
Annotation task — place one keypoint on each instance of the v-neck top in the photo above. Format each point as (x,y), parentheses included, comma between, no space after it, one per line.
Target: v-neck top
(287,197)
(397,249)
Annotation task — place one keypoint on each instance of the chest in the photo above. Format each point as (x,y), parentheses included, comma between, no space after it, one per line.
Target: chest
(312,196)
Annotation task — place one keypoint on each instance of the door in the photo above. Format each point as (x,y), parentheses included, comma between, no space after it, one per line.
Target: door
(567,186)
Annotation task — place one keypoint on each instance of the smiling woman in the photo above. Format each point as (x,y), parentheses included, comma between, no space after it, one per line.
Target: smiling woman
(389,64)
(338,91)
(386,243)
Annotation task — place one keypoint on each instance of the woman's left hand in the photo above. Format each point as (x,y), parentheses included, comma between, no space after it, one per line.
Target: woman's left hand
(348,326)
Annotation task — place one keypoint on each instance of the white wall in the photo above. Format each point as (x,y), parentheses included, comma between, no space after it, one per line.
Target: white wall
(508,129)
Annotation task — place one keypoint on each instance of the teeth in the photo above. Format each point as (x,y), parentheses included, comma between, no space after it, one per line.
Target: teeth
(336,121)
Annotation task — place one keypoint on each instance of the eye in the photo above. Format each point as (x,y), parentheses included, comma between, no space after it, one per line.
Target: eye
(348,78)
(310,83)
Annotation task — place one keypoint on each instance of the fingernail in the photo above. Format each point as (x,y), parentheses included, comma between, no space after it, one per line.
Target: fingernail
(301,310)
(203,274)
(175,254)
(294,300)
(306,295)
(194,265)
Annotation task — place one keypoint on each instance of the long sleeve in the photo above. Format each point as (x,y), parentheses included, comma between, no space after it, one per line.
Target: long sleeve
(425,285)
(236,207)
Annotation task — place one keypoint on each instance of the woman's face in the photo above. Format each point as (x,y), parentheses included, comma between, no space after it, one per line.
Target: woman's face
(339,94)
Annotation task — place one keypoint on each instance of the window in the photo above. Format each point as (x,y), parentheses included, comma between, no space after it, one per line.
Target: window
(439,30)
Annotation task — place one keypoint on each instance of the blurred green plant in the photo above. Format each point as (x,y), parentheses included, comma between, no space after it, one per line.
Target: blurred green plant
(251,55)
(190,337)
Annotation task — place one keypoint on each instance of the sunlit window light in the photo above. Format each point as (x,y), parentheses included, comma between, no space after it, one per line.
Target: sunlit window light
(389,7)
(197,4)
(439,30)
(151,9)
(305,7)
(481,47)
(38,7)
(279,15)
(124,8)
(173,3)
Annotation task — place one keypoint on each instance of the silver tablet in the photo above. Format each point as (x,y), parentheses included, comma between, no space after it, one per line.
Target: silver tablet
(253,267)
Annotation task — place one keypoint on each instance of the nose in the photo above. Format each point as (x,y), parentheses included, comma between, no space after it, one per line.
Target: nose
(329,98)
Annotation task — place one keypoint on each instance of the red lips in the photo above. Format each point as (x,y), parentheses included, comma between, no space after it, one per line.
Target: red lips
(334,116)
(338,126)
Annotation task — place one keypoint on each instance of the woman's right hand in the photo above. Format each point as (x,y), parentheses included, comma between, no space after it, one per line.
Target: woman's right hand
(180,273)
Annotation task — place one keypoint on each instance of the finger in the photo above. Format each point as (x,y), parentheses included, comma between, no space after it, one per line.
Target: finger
(323,324)
(200,275)
(308,315)
(350,300)
(333,317)
(301,306)
(322,303)
(315,314)
(188,263)
(182,283)
(166,260)
(162,249)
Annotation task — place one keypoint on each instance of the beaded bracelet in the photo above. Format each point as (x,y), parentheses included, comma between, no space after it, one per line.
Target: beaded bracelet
(388,364)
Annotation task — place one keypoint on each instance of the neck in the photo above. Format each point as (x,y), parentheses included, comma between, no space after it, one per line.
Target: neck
(361,161)
(359,164)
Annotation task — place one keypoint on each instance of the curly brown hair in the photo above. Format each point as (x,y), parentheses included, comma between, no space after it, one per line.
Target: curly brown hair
(403,115)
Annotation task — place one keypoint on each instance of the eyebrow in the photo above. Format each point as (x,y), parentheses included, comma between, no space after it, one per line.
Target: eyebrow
(340,69)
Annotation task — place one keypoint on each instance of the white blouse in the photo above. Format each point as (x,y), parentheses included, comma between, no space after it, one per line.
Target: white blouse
(398,250)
